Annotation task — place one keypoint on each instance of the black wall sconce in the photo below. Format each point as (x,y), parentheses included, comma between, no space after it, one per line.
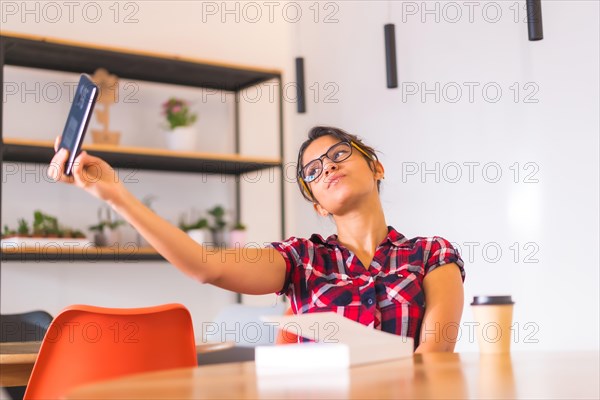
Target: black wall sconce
(389,31)
(300,98)
(534,20)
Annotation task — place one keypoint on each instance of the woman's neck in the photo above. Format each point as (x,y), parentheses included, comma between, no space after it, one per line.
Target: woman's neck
(363,229)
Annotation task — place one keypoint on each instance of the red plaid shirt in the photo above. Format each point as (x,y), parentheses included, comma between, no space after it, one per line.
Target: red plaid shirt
(322,275)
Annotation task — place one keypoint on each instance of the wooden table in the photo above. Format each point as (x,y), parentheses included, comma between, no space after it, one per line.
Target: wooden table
(438,375)
(17,359)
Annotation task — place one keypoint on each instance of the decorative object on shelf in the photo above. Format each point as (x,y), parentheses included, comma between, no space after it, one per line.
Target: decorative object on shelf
(218,225)
(535,29)
(106,232)
(45,230)
(109,94)
(237,236)
(181,132)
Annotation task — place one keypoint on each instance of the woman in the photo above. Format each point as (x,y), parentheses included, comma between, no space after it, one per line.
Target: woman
(368,271)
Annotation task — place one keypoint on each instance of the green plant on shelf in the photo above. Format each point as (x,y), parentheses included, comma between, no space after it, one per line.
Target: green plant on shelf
(23,229)
(214,224)
(43,226)
(201,223)
(238,227)
(70,233)
(106,221)
(218,225)
(218,218)
(7,232)
(177,112)
(112,225)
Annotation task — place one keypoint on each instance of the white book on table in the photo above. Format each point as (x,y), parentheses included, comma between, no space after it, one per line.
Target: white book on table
(340,343)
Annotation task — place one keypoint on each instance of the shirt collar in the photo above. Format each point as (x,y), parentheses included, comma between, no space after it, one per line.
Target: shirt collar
(393,238)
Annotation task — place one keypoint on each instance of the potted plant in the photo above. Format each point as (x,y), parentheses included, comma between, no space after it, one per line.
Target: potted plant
(44,227)
(100,239)
(199,230)
(106,231)
(8,233)
(218,225)
(77,234)
(23,229)
(180,134)
(237,236)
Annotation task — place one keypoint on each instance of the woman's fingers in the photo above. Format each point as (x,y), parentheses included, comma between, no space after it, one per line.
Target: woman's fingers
(89,170)
(90,173)
(86,170)
(56,143)
(56,170)
(94,168)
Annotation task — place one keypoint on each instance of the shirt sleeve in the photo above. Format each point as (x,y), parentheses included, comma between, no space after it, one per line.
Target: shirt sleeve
(289,249)
(439,251)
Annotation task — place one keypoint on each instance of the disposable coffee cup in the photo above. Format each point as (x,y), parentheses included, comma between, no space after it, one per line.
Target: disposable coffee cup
(493,318)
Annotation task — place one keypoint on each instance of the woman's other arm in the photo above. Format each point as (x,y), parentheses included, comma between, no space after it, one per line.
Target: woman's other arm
(444,299)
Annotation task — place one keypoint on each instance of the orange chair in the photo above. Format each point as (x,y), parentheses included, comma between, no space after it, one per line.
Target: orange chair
(85,344)
(285,337)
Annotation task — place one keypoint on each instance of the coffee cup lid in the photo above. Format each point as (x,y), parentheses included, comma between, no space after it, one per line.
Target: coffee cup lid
(491,300)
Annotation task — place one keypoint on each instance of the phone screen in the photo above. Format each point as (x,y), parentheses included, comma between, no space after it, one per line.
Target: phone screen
(78,119)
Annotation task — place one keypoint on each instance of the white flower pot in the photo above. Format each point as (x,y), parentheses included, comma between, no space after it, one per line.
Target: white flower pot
(182,138)
(237,239)
(200,235)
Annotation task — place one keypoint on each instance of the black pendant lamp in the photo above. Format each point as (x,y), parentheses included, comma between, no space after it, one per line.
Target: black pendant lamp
(534,20)
(389,31)
(300,90)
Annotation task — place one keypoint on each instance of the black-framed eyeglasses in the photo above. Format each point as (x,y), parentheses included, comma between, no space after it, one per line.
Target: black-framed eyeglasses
(337,153)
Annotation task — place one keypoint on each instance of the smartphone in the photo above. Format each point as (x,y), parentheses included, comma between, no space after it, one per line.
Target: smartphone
(79,117)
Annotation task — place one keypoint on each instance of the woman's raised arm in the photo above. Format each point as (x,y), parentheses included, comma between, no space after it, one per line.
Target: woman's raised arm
(245,270)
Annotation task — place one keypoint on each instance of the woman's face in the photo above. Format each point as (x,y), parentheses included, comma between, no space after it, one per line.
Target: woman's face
(341,186)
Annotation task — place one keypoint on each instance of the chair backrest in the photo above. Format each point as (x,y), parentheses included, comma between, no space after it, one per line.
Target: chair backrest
(25,327)
(85,344)
(285,337)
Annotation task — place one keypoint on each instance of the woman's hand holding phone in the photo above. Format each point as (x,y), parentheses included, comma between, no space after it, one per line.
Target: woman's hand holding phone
(90,173)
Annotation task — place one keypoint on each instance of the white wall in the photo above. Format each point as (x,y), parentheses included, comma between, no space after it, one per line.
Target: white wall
(550,210)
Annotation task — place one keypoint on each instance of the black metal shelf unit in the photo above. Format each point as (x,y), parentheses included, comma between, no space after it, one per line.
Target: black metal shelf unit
(42,153)
(90,254)
(67,56)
